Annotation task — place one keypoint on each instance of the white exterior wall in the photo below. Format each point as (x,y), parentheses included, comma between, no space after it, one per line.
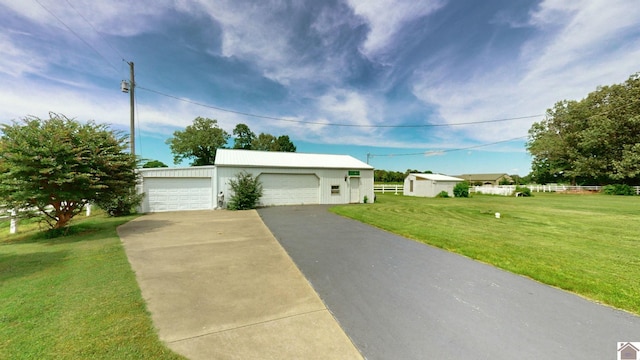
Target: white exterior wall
(427,188)
(326,178)
(202,172)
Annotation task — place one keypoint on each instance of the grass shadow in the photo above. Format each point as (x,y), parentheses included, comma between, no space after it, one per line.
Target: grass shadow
(143,226)
(89,229)
(20,265)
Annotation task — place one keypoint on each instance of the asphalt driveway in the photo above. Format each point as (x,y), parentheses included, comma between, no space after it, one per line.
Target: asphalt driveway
(399,299)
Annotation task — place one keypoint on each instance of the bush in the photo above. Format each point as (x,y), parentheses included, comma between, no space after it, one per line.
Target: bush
(618,189)
(523,190)
(461,189)
(443,194)
(121,204)
(246,191)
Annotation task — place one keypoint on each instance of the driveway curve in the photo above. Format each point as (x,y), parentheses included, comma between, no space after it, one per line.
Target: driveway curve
(400,299)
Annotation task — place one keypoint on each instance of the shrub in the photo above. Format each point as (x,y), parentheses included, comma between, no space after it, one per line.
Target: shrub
(618,189)
(443,194)
(461,189)
(246,191)
(523,190)
(122,204)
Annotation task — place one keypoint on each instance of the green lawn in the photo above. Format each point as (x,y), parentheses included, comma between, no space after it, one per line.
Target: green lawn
(73,297)
(587,244)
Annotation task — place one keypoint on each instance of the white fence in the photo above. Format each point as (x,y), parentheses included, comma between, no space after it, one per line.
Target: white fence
(505,190)
(388,188)
(508,190)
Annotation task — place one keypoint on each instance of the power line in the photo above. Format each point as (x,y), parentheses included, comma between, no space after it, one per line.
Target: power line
(78,36)
(332,124)
(256,115)
(448,150)
(94,29)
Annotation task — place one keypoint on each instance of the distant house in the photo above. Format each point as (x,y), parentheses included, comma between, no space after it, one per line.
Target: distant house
(429,185)
(486,179)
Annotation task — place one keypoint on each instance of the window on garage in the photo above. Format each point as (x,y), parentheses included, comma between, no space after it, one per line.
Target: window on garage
(335,189)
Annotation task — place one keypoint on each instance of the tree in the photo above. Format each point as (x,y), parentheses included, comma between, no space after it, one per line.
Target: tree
(244,137)
(198,142)
(246,191)
(461,189)
(154,164)
(283,143)
(264,142)
(268,142)
(595,140)
(58,165)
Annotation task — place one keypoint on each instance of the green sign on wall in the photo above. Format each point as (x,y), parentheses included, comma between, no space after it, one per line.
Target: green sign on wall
(354,172)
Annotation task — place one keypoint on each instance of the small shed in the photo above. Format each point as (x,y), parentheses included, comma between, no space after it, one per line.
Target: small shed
(429,185)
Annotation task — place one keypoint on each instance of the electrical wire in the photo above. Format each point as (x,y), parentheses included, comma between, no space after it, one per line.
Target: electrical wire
(448,150)
(256,115)
(78,36)
(332,124)
(94,29)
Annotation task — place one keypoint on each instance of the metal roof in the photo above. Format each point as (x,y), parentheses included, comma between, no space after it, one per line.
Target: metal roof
(437,177)
(251,158)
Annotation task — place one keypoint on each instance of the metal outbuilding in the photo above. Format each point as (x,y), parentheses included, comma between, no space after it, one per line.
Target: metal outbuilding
(290,178)
(429,185)
(287,179)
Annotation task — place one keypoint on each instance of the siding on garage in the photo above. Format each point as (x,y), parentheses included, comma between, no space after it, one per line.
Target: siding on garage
(288,179)
(326,179)
(177,189)
(342,179)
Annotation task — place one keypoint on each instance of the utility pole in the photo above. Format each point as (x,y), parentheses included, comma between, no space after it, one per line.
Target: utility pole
(130,88)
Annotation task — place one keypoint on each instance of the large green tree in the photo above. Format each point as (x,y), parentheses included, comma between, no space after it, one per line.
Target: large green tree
(198,142)
(58,165)
(268,142)
(154,164)
(596,139)
(244,137)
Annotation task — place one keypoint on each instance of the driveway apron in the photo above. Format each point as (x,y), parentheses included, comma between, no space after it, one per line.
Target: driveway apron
(219,286)
(400,299)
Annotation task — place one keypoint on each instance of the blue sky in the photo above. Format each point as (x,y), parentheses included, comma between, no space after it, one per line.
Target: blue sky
(398,75)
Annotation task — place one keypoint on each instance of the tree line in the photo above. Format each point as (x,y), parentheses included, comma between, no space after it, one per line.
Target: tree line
(592,141)
(199,141)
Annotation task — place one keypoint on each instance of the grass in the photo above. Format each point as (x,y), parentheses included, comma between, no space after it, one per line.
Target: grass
(586,244)
(72,297)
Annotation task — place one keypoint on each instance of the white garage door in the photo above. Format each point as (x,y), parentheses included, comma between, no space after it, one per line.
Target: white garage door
(172,194)
(289,189)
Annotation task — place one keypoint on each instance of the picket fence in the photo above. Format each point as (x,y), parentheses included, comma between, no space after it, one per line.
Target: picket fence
(505,190)
(508,190)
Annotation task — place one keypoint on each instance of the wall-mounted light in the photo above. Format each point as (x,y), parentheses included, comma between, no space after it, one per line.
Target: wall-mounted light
(346,177)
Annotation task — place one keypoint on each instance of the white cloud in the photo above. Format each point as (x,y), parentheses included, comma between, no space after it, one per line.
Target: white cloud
(16,61)
(385,18)
(577,48)
(108,17)
(19,98)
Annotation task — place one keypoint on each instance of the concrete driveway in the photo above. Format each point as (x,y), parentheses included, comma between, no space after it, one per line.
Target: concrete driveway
(399,299)
(219,286)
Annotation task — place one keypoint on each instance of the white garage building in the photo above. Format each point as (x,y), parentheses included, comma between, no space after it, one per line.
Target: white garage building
(287,179)
(429,185)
